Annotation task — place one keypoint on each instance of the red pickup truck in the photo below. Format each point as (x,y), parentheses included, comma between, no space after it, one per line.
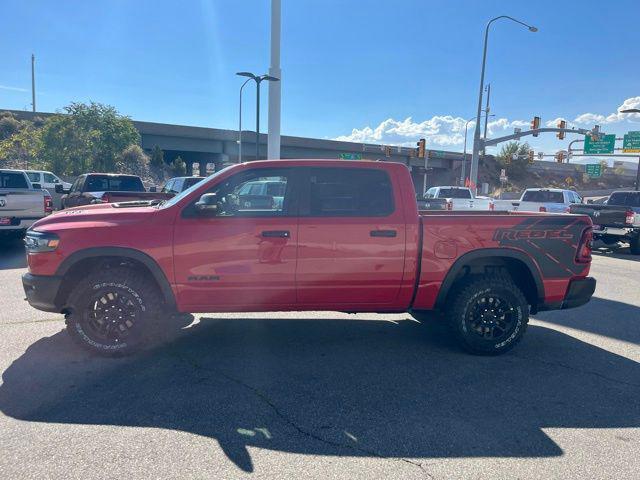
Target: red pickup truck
(343,236)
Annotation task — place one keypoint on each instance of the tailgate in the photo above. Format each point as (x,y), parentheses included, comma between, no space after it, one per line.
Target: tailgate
(21,204)
(607,215)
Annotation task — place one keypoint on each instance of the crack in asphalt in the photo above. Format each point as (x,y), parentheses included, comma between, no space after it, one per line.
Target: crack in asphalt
(303,431)
(579,370)
(27,322)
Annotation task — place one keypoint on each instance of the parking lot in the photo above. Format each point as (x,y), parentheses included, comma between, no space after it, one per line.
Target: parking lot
(331,395)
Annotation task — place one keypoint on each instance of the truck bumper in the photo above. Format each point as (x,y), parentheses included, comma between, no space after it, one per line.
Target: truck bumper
(41,291)
(579,292)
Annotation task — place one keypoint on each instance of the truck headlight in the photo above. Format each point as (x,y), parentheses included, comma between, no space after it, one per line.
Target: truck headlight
(36,242)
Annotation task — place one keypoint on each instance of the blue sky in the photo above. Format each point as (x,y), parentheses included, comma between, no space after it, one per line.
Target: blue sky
(363,65)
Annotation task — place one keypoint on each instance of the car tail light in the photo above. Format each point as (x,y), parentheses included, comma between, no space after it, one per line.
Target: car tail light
(48,205)
(585,246)
(630,217)
(542,209)
(450,205)
(105,198)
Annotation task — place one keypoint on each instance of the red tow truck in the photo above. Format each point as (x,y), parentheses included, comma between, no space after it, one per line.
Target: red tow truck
(343,236)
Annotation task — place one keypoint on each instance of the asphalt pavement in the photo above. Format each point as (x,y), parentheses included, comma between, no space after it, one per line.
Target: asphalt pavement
(326,395)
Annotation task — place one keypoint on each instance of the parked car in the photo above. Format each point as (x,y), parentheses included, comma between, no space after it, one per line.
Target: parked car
(48,180)
(262,194)
(93,188)
(457,198)
(21,202)
(180,184)
(552,200)
(616,221)
(118,270)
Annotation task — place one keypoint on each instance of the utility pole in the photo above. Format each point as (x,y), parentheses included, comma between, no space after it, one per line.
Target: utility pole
(273,138)
(33,82)
(486,113)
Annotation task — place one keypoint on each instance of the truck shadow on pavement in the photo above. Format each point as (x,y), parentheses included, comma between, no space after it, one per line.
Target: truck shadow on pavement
(333,387)
(12,254)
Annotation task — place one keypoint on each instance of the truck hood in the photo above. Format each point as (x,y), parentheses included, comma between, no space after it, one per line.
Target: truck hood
(93,216)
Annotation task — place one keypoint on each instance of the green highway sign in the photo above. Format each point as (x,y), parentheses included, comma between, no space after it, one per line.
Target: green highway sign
(350,156)
(605,145)
(631,142)
(594,170)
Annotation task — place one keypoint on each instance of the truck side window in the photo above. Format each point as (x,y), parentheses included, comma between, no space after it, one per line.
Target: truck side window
(238,196)
(350,192)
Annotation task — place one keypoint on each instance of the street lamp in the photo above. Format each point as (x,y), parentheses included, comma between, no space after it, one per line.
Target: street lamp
(258,79)
(463,174)
(634,110)
(476,136)
(240,123)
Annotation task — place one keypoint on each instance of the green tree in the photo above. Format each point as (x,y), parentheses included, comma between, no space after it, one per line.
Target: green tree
(157,158)
(134,161)
(90,137)
(8,125)
(516,168)
(21,149)
(179,167)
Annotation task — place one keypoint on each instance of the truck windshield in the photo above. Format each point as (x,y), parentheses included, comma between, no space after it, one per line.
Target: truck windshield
(13,180)
(454,193)
(627,199)
(542,196)
(113,184)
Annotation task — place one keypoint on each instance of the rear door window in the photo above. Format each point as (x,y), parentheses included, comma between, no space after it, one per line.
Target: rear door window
(454,193)
(543,196)
(13,180)
(34,177)
(349,192)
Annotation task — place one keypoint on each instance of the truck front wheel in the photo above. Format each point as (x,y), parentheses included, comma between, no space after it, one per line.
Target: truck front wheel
(110,310)
(488,314)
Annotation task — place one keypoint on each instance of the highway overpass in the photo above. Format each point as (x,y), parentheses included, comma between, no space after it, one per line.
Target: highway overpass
(207,149)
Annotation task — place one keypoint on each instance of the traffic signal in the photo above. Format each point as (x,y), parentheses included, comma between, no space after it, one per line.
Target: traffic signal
(531,154)
(561,124)
(535,124)
(422,144)
(559,157)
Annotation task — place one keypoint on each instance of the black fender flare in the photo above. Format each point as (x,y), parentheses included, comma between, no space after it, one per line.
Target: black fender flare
(468,257)
(132,253)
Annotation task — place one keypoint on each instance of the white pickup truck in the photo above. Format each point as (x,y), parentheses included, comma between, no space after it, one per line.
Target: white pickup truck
(21,202)
(456,198)
(553,200)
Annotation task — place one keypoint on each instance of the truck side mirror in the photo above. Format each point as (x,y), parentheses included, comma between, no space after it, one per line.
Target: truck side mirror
(60,188)
(208,204)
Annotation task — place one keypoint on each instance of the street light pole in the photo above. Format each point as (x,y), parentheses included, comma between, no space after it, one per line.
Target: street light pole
(240,123)
(476,135)
(463,174)
(258,79)
(635,110)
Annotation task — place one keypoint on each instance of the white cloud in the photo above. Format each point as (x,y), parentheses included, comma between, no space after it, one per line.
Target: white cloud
(438,130)
(13,89)
(448,131)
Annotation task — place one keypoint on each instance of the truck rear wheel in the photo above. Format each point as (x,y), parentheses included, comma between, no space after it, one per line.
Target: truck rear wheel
(488,314)
(111,310)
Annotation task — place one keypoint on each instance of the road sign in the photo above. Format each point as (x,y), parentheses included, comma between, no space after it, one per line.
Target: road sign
(594,170)
(604,145)
(503,175)
(350,156)
(631,143)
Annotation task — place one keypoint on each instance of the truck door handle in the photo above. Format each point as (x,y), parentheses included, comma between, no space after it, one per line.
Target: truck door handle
(383,233)
(276,234)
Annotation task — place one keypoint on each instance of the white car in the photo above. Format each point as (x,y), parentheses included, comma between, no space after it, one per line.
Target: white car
(459,198)
(21,202)
(552,200)
(48,180)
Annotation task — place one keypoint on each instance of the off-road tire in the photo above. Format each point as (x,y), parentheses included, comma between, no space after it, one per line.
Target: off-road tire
(130,302)
(487,314)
